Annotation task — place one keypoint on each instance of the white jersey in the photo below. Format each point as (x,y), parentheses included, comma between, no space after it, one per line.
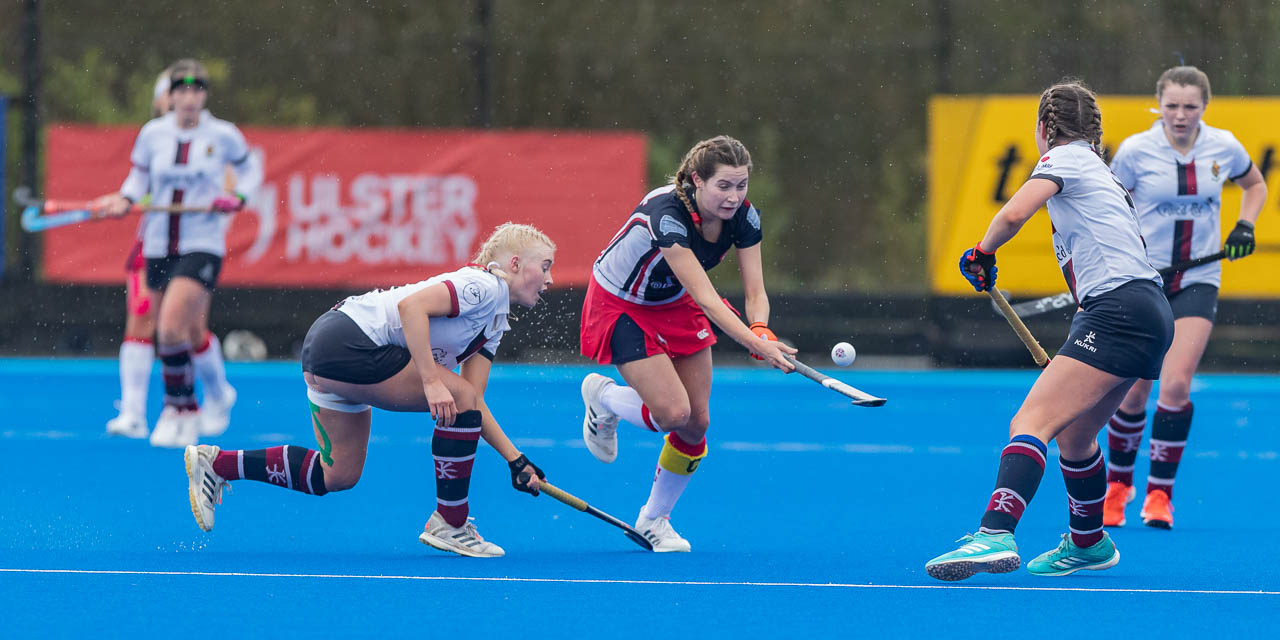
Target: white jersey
(187,167)
(1096,235)
(1179,197)
(481,301)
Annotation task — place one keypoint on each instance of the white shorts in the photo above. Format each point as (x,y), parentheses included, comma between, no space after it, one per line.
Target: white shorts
(334,401)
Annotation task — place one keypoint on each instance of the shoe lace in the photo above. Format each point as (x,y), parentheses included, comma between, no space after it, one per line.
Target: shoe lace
(470,528)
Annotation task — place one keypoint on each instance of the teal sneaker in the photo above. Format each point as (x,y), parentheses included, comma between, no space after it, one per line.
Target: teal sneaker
(1068,558)
(989,552)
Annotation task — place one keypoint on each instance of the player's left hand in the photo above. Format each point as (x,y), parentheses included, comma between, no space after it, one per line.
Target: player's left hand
(979,268)
(1240,242)
(227,203)
(523,469)
(762,331)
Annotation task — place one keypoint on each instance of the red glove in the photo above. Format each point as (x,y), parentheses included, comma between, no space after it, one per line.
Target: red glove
(227,204)
(763,332)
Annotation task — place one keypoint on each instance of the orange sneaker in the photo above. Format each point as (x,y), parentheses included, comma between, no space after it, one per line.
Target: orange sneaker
(1119,495)
(1157,510)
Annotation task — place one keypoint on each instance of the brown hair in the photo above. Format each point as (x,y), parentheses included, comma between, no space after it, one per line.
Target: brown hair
(1187,76)
(1070,110)
(702,160)
(188,68)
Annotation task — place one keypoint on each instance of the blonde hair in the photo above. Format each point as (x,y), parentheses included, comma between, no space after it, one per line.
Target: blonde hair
(511,238)
(703,158)
(1187,76)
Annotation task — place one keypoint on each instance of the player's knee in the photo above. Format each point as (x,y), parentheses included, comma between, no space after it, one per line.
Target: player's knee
(671,416)
(337,479)
(1175,392)
(464,397)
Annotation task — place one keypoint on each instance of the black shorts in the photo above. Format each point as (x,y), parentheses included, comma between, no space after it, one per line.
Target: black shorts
(336,348)
(1196,301)
(199,266)
(627,342)
(1124,332)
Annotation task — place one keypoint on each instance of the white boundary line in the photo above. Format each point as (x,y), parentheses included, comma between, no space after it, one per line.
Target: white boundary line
(828,585)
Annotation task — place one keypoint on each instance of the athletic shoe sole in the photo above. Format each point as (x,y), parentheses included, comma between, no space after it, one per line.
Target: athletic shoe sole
(960,569)
(189,456)
(432,541)
(1106,564)
(1158,524)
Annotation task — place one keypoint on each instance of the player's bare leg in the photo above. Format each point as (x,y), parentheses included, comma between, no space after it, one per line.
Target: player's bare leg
(183,303)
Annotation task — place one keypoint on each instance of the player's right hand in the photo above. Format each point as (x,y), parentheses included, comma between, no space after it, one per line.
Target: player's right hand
(979,268)
(441,402)
(773,352)
(112,205)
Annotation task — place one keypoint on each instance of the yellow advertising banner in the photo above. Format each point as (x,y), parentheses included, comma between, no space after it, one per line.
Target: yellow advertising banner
(982,148)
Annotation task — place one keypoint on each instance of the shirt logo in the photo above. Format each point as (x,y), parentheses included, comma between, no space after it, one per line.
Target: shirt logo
(670,226)
(1215,168)
(471,293)
(753,218)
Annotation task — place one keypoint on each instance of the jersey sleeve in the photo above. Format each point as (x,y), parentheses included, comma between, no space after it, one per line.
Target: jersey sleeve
(1058,167)
(1123,165)
(746,232)
(472,294)
(138,183)
(669,228)
(246,164)
(1241,163)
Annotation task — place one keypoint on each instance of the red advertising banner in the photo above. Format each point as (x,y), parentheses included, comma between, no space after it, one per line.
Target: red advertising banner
(358,208)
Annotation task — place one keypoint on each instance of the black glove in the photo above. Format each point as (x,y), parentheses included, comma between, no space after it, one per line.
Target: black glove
(1240,243)
(979,268)
(517,467)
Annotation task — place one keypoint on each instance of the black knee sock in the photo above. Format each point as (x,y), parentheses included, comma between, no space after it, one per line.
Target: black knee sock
(454,451)
(1169,431)
(1021,467)
(1124,435)
(1086,482)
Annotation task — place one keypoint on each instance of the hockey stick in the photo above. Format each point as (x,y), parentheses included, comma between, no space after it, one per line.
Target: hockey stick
(39,215)
(860,398)
(581,505)
(1037,352)
(1060,300)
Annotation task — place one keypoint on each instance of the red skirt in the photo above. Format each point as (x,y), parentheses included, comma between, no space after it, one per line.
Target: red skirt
(678,328)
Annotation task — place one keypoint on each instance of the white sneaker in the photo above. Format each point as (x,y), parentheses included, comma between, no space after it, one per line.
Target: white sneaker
(660,534)
(599,425)
(204,487)
(464,540)
(215,413)
(128,426)
(175,428)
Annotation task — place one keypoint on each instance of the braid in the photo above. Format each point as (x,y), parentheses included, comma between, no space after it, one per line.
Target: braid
(1051,121)
(1070,110)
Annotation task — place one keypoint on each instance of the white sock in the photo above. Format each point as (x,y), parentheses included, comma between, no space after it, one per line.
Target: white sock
(625,402)
(667,487)
(136,360)
(210,370)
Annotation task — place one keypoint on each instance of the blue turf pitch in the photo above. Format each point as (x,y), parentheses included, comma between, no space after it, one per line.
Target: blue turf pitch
(808,517)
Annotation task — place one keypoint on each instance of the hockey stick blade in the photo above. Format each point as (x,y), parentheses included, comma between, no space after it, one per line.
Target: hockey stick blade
(859,398)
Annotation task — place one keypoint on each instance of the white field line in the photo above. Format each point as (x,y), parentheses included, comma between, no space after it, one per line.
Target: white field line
(689,583)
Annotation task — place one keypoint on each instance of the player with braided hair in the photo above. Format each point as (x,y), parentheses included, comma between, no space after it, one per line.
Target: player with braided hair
(1120,335)
(1176,171)
(649,310)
